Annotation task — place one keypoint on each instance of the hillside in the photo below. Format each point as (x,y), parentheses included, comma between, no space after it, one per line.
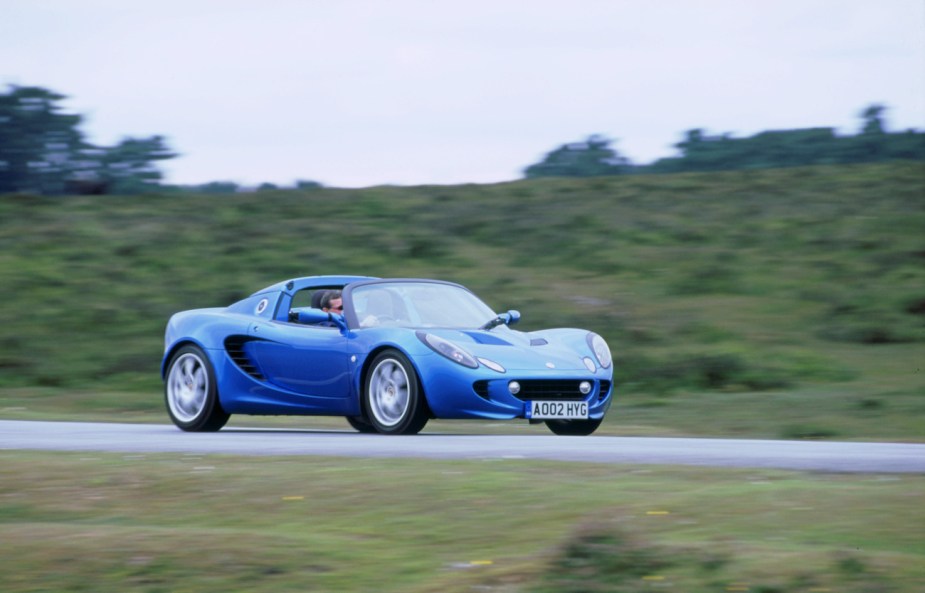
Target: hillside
(786,302)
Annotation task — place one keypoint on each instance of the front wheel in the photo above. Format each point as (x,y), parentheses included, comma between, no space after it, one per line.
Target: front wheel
(578,428)
(360,424)
(191,393)
(392,396)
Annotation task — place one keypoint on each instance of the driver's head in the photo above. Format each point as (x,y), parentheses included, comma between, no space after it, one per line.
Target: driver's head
(332,302)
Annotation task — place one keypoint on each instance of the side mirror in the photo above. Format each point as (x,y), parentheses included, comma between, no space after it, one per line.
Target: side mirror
(509,318)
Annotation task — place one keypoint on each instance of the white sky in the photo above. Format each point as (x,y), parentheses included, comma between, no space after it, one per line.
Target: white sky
(358,92)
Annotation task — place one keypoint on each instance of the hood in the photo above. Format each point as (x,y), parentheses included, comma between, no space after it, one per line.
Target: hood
(523,351)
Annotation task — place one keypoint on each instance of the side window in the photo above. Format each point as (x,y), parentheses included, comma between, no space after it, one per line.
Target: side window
(304,298)
(304,307)
(311,297)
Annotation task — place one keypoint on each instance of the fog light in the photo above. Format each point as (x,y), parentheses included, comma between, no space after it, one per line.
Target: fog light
(514,387)
(584,387)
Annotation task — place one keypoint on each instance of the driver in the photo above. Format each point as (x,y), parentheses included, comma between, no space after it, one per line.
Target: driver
(332,302)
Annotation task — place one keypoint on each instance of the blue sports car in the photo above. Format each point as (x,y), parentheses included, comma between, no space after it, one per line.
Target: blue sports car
(387,354)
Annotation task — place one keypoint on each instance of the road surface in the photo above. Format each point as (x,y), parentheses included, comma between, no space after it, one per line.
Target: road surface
(153,438)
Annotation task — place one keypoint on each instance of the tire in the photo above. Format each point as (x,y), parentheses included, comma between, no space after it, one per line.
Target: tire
(392,396)
(191,394)
(578,428)
(361,424)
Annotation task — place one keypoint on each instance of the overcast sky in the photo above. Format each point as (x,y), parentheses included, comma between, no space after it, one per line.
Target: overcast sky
(357,93)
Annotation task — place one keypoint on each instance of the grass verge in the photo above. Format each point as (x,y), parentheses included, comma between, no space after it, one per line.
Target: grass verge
(127,523)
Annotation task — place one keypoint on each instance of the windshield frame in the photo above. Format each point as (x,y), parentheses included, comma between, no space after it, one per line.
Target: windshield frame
(401,288)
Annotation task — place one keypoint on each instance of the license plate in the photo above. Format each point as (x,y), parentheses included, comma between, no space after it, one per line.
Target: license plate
(557,410)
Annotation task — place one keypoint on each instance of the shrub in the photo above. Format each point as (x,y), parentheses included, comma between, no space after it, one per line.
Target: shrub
(602,558)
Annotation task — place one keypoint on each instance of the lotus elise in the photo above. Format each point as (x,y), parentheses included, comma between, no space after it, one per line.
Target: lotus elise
(396,353)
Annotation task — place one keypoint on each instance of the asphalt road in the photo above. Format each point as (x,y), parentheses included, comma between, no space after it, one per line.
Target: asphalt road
(152,438)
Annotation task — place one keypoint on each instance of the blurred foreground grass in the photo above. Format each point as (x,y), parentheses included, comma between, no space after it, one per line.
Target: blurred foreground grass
(773,303)
(126,523)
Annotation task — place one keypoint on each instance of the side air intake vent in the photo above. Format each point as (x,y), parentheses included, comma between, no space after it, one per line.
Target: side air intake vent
(234,345)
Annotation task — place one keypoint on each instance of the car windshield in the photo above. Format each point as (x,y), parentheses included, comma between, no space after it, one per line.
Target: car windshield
(417,305)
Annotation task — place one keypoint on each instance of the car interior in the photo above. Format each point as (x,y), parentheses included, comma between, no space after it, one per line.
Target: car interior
(308,298)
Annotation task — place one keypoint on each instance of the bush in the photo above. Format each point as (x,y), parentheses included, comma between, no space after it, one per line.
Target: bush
(608,558)
(604,559)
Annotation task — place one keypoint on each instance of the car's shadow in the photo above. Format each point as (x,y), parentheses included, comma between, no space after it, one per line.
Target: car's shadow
(334,431)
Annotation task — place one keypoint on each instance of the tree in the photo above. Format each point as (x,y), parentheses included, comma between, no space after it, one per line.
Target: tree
(39,145)
(873,120)
(128,167)
(591,158)
(42,151)
(307,184)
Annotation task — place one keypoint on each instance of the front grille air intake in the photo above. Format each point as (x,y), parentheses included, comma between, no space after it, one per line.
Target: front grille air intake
(481,389)
(546,389)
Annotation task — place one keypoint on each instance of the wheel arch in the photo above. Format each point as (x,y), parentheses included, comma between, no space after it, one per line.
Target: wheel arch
(172,351)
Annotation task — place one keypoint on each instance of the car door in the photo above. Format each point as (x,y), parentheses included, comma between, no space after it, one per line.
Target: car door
(311,361)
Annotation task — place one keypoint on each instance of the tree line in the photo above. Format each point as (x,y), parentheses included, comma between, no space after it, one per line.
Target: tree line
(43,151)
(771,149)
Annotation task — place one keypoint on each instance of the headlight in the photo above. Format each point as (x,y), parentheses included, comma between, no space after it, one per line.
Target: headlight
(600,349)
(449,350)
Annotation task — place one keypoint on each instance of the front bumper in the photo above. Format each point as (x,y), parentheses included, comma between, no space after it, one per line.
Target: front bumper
(476,394)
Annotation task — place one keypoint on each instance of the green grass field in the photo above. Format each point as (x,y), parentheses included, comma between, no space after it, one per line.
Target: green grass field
(775,303)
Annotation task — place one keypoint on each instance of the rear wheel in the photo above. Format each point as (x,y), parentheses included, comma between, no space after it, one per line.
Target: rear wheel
(574,427)
(191,393)
(392,395)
